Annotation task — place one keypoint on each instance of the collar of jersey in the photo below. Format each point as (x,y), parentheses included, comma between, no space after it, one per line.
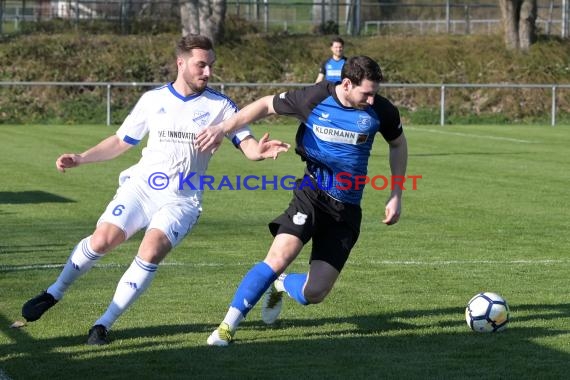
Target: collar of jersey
(333,95)
(183,98)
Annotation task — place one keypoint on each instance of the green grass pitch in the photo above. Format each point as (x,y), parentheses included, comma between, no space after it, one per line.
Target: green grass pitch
(491,213)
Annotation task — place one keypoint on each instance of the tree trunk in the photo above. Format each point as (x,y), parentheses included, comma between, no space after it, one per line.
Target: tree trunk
(519,21)
(510,12)
(527,24)
(189,17)
(205,17)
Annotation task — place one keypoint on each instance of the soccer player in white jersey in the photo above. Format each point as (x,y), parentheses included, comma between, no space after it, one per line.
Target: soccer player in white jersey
(159,193)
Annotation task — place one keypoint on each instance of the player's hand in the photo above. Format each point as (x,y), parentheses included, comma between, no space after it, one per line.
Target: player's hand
(392,210)
(210,138)
(67,161)
(271,148)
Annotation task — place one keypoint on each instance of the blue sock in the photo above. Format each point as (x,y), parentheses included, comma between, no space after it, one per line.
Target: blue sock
(252,287)
(293,285)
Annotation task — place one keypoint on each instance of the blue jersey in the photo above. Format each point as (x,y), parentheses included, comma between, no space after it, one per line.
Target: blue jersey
(331,69)
(335,141)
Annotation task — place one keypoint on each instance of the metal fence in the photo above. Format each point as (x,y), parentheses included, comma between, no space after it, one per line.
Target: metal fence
(347,16)
(444,90)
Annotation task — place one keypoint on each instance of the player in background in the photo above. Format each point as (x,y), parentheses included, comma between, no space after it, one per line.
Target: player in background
(149,195)
(338,125)
(331,68)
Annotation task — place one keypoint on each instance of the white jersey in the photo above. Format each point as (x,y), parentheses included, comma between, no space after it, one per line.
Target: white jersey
(172,122)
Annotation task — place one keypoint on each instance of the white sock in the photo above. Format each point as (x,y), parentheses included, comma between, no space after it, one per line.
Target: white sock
(133,283)
(233,318)
(81,259)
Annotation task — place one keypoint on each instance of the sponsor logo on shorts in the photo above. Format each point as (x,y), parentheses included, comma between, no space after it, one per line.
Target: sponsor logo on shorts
(299,218)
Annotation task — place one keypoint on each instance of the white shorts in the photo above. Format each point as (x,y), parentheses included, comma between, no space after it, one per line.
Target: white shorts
(136,207)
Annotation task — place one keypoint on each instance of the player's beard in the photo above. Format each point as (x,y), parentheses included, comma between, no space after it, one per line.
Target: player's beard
(361,106)
(198,85)
(357,105)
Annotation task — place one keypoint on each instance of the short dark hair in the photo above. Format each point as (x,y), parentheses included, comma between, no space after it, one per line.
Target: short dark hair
(191,42)
(337,39)
(361,67)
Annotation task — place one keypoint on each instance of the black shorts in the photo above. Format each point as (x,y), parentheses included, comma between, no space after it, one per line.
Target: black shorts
(312,214)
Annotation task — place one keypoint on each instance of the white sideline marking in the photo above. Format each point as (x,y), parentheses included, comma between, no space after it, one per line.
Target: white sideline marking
(12,268)
(471,135)
(8,268)
(464,262)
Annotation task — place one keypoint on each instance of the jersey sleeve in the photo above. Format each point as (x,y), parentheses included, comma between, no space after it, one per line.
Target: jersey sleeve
(390,122)
(300,102)
(135,125)
(323,68)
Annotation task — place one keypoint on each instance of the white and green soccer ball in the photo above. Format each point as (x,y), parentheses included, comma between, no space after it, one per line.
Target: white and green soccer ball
(487,312)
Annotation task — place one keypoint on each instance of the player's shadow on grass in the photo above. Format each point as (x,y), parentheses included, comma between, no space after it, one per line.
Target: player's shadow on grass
(410,320)
(388,345)
(33,196)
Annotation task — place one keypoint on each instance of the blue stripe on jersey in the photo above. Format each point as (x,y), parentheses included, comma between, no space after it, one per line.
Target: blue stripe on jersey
(183,98)
(159,87)
(217,93)
(130,140)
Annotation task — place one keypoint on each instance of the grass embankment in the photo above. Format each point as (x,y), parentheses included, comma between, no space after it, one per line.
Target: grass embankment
(292,59)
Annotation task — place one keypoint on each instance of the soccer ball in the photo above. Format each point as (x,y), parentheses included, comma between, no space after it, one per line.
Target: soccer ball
(487,312)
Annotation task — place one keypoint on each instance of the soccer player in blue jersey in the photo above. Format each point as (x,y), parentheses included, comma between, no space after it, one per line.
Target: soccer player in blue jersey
(331,68)
(338,125)
(149,196)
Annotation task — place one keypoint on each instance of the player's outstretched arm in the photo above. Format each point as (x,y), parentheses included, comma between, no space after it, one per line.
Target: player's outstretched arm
(264,148)
(212,137)
(107,149)
(398,165)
